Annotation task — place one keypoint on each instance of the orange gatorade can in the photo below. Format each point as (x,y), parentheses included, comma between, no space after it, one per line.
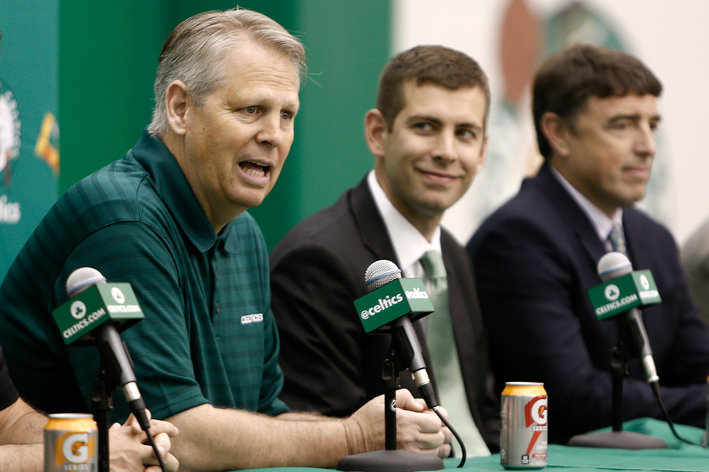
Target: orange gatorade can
(70,443)
(523,440)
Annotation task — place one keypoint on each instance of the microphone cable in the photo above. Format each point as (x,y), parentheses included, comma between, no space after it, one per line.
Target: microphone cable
(139,411)
(161,462)
(656,390)
(463,453)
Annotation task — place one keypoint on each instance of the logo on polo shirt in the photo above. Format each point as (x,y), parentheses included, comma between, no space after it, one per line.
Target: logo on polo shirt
(253,318)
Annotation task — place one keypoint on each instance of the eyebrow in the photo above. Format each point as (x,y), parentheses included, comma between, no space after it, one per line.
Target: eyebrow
(634,117)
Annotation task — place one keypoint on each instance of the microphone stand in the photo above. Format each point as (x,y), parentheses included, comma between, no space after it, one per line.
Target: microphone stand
(617,438)
(389,459)
(102,404)
(390,384)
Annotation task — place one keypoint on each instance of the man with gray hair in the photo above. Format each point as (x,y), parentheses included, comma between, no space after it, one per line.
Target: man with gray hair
(170,218)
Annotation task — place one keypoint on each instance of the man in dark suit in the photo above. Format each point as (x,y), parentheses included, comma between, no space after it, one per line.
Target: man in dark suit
(595,112)
(428,138)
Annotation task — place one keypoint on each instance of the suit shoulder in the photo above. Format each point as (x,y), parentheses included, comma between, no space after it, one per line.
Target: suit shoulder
(524,212)
(640,224)
(327,228)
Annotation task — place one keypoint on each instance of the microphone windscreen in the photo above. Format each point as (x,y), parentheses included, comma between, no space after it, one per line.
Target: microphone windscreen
(613,265)
(380,273)
(81,279)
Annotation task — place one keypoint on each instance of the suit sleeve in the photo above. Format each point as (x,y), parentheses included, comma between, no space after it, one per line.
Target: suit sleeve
(322,339)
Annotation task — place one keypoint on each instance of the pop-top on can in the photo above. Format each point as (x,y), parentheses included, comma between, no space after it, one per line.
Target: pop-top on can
(523,440)
(70,443)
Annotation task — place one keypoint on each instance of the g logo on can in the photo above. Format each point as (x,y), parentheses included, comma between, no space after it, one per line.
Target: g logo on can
(535,411)
(76,448)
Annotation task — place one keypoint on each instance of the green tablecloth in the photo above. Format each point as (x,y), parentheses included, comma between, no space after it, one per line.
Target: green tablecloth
(678,457)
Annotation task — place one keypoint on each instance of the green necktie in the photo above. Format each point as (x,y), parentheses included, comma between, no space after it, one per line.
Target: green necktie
(617,239)
(444,357)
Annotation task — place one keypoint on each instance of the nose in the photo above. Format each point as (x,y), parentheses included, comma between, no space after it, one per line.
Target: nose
(271,131)
(444,149)
(645,144)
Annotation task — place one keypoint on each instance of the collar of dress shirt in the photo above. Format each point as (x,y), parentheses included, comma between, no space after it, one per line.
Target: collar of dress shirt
(409,244)
(599,220)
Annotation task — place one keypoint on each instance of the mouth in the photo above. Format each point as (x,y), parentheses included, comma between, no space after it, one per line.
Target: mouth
(437,178)
(256,169)
(638,172)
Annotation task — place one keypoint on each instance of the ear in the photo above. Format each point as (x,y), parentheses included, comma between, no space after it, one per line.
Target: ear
(176,101)
(556,131)
(375,132)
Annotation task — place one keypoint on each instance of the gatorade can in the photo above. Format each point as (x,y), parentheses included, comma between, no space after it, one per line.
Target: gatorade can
(523,440)
(70,443)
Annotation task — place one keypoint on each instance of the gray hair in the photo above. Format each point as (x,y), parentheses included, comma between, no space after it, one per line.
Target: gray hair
(194,53)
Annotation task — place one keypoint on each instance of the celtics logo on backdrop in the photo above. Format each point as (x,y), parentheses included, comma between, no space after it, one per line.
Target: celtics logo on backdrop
(9,150)
(9,127)
(29,132)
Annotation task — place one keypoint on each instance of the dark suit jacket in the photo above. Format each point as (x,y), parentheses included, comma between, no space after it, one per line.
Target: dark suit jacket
(535,258)
(331,365)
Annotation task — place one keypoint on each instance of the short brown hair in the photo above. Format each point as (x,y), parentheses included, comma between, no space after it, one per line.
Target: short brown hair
(566,80)
(437,65)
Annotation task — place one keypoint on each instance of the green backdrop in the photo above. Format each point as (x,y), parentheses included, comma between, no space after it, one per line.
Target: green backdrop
(29,136)
(107,58)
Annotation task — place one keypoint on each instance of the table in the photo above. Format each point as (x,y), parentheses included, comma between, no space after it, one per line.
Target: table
(678,457)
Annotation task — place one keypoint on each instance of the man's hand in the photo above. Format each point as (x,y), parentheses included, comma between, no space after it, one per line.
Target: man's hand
(130,450)
(418,429)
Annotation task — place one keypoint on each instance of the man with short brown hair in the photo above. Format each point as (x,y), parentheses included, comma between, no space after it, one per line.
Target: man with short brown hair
(596,113)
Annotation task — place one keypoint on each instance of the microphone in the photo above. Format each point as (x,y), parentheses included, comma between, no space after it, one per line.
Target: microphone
(627,290)
(95,312)
(622,291)
(401,300)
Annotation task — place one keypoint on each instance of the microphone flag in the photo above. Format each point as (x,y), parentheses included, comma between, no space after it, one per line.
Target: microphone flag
(397,298)
(622,293)
(78,317)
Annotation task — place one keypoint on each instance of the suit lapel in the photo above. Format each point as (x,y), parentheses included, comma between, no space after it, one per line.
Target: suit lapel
(573,218)
(637,245)
(375,237)
(461,316)
(369,223)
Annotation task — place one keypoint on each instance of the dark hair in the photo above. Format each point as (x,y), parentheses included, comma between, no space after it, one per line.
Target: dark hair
(437,65)
(566,80)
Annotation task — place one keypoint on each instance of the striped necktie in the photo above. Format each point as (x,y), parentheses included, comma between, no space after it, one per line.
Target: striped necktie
(617,239)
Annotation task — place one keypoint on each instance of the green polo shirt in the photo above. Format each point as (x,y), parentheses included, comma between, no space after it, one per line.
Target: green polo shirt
(208,335)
